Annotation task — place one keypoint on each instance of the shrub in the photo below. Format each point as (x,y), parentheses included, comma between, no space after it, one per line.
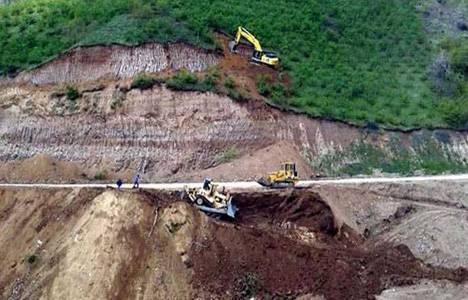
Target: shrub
(247,286)
(101,175)
(263,86)
(212,78)
(72,93)
(32,259)
(229,83)
(455,113)
(227,155)
(186,81)
(143,82)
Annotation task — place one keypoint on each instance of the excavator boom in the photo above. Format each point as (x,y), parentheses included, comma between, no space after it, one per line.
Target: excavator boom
(244,33)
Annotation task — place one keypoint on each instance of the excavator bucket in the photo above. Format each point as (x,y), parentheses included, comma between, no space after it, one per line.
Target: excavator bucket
(232,46)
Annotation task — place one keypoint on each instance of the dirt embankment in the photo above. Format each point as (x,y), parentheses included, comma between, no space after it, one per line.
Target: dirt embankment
(88,244)
(118,62)
(114,130)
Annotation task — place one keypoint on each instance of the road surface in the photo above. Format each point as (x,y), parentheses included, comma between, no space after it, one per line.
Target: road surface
(251,185)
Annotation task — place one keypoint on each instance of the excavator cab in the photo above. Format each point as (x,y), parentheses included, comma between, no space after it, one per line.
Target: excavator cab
(259,55)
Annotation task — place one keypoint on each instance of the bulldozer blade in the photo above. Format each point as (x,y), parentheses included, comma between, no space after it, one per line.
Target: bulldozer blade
(281,185)
(264,182)
(231,209)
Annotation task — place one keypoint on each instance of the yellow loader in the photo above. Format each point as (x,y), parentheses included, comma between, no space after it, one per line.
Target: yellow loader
(286,177)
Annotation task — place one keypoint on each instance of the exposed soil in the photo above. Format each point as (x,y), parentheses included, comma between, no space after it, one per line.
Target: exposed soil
(150,245)
(167,135)
(328,265)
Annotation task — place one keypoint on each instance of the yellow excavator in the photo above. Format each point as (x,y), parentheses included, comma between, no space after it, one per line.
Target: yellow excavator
(286,177)
(259,55)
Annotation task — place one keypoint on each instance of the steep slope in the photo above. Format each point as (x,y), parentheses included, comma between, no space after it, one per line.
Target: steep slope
(88,244)
(347,60)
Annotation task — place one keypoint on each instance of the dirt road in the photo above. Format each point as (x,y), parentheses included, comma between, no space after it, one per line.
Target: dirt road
(252,185)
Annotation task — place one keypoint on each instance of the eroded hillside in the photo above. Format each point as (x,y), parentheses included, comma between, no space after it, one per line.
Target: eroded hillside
(110,128)
(88,244)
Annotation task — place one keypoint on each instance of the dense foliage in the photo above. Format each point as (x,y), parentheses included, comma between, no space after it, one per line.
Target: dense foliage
(364,61)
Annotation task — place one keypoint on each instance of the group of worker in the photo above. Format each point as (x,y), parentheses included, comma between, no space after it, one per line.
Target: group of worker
(136,182)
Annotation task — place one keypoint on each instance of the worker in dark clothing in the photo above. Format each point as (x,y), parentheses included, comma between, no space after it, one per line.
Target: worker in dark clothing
(136,181)
(119,183)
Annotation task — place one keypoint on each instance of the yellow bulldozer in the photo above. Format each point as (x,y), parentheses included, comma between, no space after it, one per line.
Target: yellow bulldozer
(286,177)
(211,200)
(259,55)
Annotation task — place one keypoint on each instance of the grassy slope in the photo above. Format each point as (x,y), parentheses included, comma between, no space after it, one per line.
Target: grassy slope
(361,60)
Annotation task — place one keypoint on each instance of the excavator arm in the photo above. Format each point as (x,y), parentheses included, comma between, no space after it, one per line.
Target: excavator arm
(244,33)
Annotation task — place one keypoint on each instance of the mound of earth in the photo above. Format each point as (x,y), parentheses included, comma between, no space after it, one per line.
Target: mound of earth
(96,244)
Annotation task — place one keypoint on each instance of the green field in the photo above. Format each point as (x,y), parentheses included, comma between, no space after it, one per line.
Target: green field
(362,61)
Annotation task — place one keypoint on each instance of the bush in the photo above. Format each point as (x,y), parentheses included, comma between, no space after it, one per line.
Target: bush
(263,86)
(212,78)
(229,83)
(455,113)
(143,82)
(186,81)
(101,175)
(247,286)
(72,93)
(32,259)
(228,155)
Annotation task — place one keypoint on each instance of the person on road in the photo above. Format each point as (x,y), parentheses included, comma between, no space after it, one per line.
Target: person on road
(119,184)
(136,181)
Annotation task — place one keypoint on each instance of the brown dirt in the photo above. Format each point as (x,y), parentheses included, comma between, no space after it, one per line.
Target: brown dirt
(256,164)
(245,73)
(329,265)
(150,245)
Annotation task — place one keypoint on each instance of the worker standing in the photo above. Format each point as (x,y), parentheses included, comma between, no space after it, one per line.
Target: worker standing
(119,183)
(136,181)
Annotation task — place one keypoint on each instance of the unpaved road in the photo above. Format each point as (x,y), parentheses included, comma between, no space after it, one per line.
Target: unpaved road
(251,185)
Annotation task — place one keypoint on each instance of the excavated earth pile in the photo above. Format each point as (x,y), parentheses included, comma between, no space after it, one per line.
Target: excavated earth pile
(95,244)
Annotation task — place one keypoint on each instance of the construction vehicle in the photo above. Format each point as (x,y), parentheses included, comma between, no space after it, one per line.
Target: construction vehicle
(210,200)
(259,55)
(286,177)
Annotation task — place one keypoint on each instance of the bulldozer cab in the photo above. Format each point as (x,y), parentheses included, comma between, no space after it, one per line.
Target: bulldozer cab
(290,167)
(207,184)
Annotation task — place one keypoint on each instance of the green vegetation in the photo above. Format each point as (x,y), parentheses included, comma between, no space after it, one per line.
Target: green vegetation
(72,93)
(362,158)
(143,82)
(355,60)
(32,259)
(186,81)
(247,286)
(227,155)
(454,109)
(101,175)
(275,91)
